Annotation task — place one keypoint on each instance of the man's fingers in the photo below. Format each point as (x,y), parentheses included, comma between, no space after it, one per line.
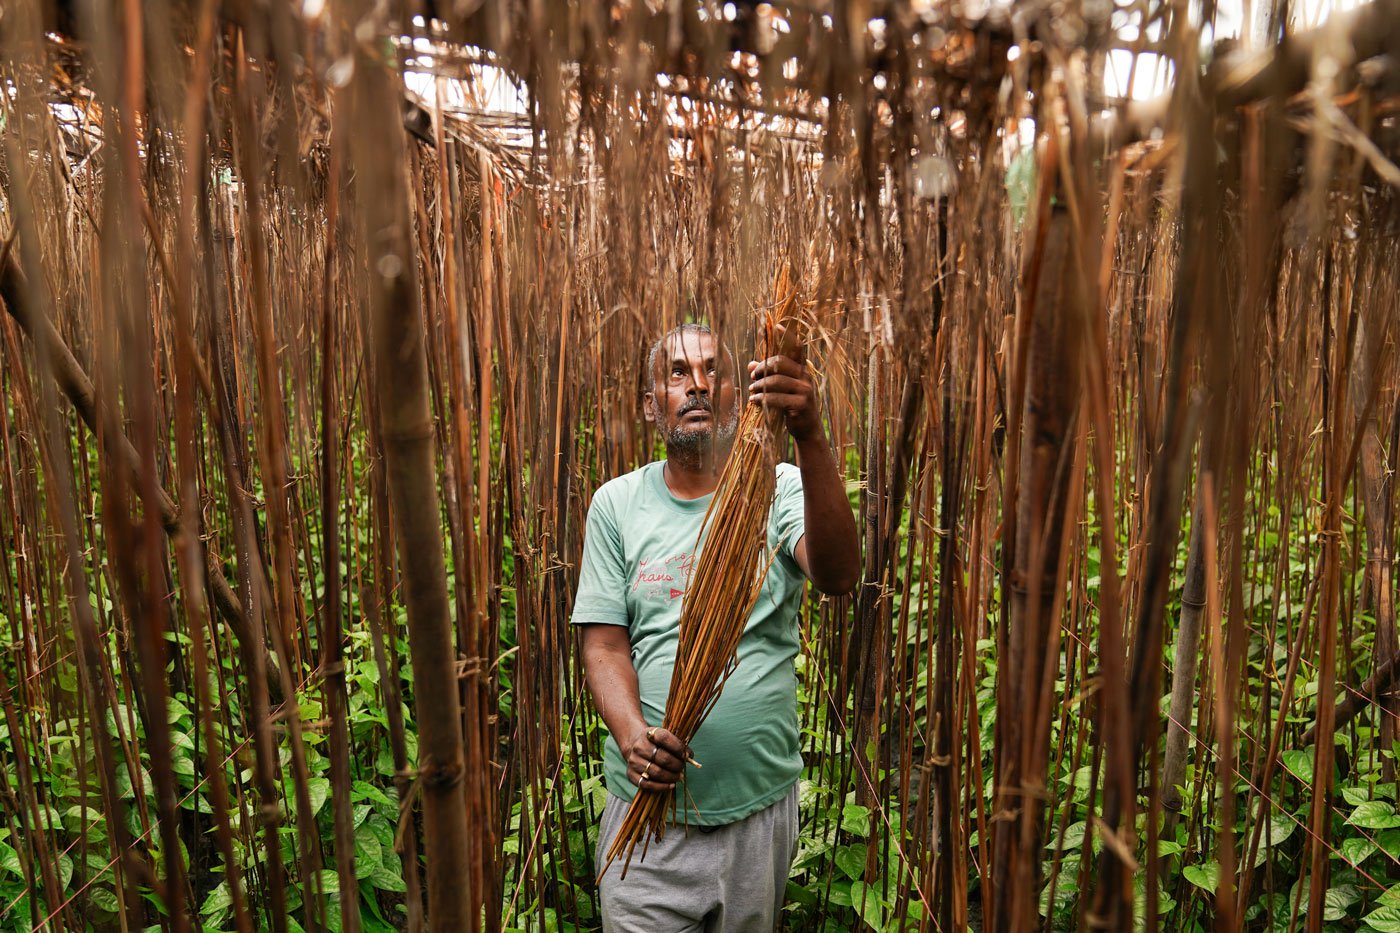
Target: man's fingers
(654,773)
(769,384)
(666,775)
(664,763)
(646,755)
(786,401)
(654,781)
(666,760)
(667,741)
(777,365)
(656,759)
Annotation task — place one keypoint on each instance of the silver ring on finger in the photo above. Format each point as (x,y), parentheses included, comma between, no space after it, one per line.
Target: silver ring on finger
(654,750)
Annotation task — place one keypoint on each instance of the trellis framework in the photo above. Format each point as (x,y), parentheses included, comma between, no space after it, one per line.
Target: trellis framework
(279,334)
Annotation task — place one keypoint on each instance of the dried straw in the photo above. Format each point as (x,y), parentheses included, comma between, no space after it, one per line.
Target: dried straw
(734,560)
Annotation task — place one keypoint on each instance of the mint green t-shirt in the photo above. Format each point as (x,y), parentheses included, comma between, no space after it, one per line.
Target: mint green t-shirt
(638,551)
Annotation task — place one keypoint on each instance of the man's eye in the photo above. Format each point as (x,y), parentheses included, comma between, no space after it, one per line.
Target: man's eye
(677,371)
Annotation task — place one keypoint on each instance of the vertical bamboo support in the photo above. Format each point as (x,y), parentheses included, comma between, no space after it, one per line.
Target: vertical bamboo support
(1035,581)
(402,397)
(1334,474)
(1185,661)
(950,863)
(331,634)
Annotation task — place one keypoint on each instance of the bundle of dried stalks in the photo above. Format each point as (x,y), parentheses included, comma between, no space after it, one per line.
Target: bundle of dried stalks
(728,576)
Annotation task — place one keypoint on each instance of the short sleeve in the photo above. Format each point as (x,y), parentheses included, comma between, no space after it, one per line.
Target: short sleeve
(601,583)
(789,515)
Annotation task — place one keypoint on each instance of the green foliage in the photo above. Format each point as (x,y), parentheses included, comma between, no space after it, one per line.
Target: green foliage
(71,816)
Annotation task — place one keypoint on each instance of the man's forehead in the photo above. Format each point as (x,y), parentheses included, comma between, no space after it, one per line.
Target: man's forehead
(690,345)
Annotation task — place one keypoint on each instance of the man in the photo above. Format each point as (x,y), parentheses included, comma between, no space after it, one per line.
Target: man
(723,865)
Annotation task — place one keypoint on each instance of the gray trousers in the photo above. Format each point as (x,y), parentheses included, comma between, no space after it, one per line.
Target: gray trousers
(722,879)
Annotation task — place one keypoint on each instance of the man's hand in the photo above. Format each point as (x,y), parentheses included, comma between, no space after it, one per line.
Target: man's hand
(831,558)
(655,759)
(782,382)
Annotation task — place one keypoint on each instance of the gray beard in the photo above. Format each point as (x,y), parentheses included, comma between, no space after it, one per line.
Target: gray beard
(687,444)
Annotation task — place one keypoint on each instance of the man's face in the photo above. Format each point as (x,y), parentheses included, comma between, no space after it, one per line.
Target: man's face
(693,398)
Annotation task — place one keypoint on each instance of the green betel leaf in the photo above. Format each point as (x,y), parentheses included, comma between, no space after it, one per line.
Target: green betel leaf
(218,901)
(1281,826)
(1278,828)
(330,881)
(799,894)
(851,860)
(1072,839)
(1384,919)
(1299,763)
(1374,814)
(104,899)
(1355,795)
(1205,876)
(386,880)
(1355,849)
(369,854)
(319,790)
(363,790)
(866,901)
(855,819)
(9,861)
(840,894)
(1337,899)
(1061,896)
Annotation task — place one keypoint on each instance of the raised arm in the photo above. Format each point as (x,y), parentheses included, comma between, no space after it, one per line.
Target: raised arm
(828,552)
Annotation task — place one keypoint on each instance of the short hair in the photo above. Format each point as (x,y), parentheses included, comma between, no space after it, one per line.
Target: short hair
(657,348)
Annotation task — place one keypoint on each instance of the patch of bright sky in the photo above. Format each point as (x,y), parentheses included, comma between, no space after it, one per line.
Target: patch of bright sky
(490,89)
(1233,19)
(1152,78)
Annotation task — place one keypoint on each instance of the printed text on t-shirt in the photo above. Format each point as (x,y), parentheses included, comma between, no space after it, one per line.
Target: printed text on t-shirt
(663,577)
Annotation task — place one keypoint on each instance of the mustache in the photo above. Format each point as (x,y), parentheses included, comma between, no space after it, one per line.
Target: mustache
(693,404)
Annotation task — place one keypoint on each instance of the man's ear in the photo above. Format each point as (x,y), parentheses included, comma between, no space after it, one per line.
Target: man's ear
(649,411)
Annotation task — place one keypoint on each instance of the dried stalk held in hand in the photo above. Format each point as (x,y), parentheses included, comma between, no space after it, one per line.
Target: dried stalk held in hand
(728,576)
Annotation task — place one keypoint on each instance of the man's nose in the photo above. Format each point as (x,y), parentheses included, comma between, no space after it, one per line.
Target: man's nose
(699,384)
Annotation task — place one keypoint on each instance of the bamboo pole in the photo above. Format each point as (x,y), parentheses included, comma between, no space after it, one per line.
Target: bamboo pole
(402,390)
(1035,581)
(1184,666)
